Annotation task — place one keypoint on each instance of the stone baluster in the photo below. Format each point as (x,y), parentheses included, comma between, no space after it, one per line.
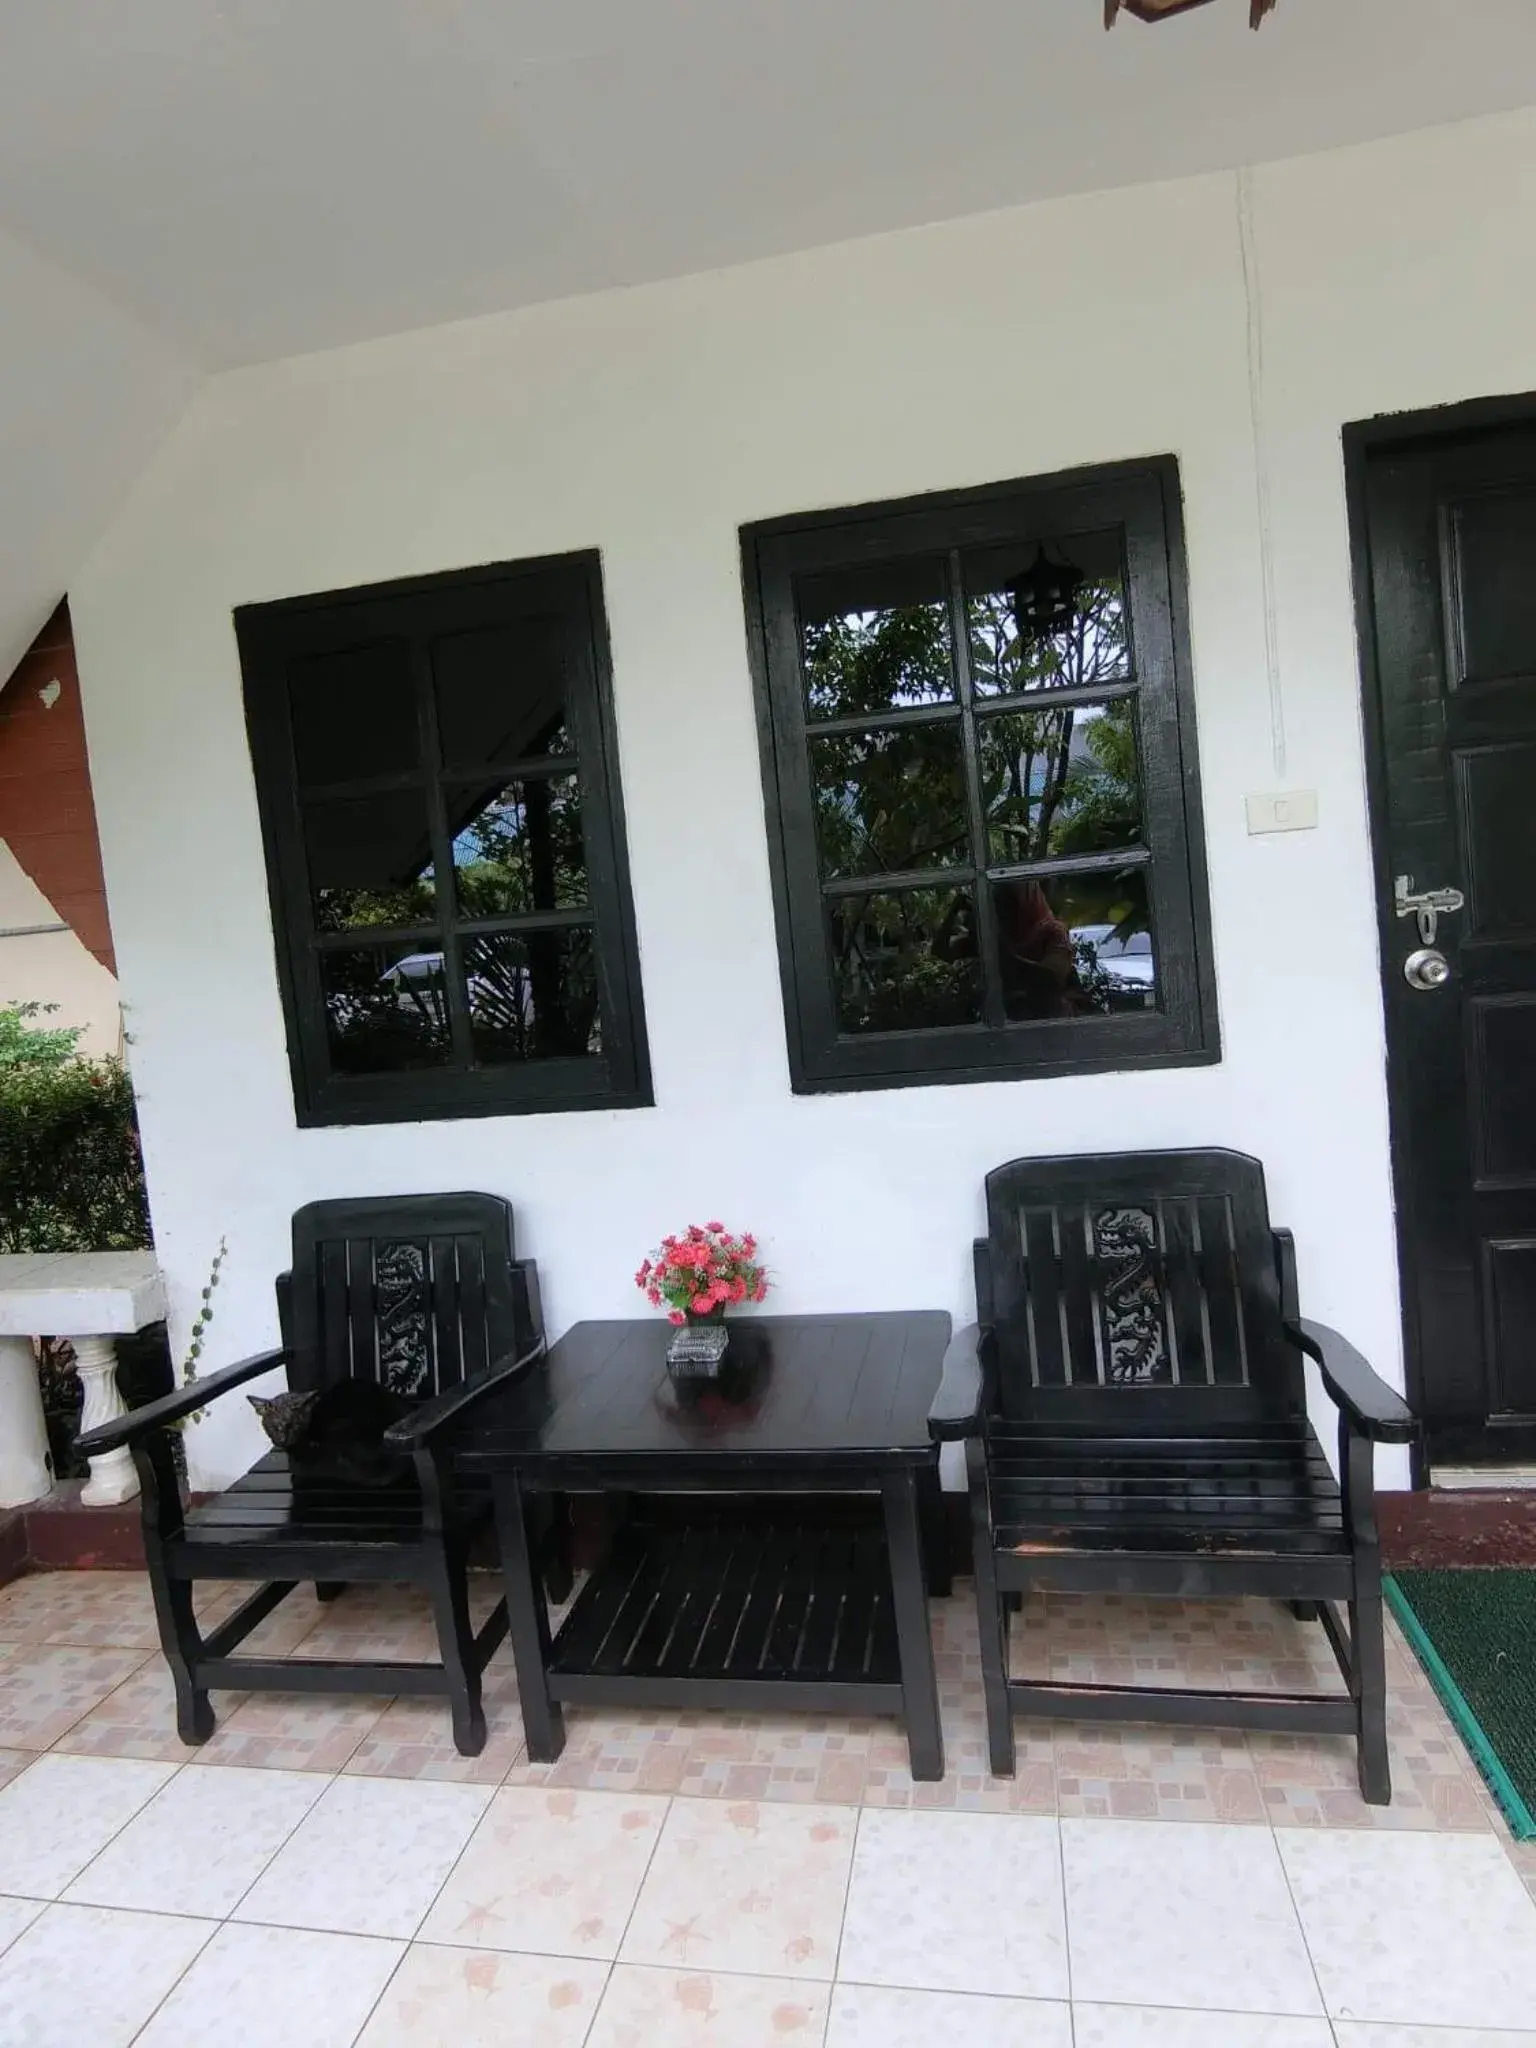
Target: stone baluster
(25,1471)
(113,1478)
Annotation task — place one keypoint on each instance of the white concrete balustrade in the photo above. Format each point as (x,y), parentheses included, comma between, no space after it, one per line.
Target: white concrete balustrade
(90,1298)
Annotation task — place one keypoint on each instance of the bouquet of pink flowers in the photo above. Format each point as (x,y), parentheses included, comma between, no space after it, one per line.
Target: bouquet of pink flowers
(702,1273)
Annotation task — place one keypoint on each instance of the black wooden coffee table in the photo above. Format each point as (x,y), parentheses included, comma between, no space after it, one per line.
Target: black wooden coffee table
(783,1532)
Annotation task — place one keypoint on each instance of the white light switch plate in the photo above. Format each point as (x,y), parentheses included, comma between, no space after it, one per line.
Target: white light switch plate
(1288,810)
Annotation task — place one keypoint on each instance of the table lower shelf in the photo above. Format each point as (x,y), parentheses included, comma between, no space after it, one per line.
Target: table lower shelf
(756,1605)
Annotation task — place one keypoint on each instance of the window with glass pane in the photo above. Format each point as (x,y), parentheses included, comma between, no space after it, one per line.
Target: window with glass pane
(982,787)
(436,771)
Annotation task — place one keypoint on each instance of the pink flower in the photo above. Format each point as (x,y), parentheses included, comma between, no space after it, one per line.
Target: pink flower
(738,1290)
(702,1304)
(716,1227)
(677,1316)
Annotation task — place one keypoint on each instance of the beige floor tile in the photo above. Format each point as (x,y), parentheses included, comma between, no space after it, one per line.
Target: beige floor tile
(45,1688)
(550,1870)
(957,1902)
(875,2016)
(368,1858)
(13,1762)
(292,1731)
(1183,1915)
(1348,2036)
(1311,1780)
(661,2008)
(88,1974)
(62,1812)
(16,1915)
(1137,2026)
(274,1987)
(1138,1772)
(200,1843)
(413,1738)
(94,1610)
(138,1719)
(616,1752)
(1416,1929)
(749,1886)
(371,1623)
(480,1998)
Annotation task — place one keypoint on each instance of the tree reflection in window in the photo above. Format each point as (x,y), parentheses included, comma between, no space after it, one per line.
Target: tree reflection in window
(1058,781)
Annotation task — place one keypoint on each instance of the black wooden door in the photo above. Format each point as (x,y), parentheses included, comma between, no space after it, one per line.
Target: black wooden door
(1448,599)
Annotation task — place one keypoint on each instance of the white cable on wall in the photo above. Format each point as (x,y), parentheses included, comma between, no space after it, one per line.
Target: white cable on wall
(1252,296)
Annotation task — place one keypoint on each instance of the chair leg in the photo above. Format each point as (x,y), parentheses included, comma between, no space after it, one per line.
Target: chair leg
(181,1640)
(991,1619)
(1368,1642)
(935,1522)
(329,1589)
(449,1587)
(1367,1631)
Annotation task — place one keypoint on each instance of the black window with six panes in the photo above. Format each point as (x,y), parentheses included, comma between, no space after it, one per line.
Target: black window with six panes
(981,783)
(438,785)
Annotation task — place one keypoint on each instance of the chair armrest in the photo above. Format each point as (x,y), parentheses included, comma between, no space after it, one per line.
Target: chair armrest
(414,1430)
(1358,1390)
(965,1389)
(138,1422)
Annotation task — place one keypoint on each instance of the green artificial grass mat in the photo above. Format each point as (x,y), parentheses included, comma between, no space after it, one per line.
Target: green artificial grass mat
(1474,1632)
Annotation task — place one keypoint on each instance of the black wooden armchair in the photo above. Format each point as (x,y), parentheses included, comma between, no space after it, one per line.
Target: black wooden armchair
(425,1295)
(1133,1405)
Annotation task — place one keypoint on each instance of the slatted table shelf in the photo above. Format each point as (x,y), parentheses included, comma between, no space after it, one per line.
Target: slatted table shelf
(729,1609)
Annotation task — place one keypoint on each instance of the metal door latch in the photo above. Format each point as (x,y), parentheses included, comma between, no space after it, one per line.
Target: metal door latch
(1427,906)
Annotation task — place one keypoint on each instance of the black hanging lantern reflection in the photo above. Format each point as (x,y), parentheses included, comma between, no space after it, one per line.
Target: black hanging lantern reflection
(1045,598)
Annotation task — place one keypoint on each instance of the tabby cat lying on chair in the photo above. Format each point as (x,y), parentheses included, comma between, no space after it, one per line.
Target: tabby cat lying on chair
(337,1432)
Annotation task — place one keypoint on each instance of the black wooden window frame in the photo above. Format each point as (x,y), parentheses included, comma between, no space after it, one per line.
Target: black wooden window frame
(565,591)
(1140,499)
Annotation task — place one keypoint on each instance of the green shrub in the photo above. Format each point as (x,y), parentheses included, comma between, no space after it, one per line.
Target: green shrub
(71,1175)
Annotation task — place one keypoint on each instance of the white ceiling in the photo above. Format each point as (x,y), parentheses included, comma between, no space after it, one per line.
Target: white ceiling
(254,177)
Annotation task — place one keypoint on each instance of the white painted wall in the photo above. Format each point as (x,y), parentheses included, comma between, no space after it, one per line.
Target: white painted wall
(87,393)
(653,423)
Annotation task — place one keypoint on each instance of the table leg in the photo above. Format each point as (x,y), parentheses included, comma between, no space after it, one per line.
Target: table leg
(527,1624)
(914,1639)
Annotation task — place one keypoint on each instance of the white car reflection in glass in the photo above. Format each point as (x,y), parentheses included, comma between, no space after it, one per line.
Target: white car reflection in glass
(1127,963)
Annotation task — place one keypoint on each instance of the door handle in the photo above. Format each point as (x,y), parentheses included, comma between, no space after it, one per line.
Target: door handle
(1428,906)
(1426,967)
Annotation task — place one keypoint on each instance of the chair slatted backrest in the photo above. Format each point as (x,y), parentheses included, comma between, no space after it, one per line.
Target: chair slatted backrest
(417,1292)
(1136,1289)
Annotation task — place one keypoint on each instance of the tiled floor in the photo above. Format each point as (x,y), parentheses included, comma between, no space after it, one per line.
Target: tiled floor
(328,1872)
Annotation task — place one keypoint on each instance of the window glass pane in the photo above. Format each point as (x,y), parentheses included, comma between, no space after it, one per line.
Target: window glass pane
(370,860)
(905,960)
(385,1010)
(1076,945)
(875,639)
(518,847)
(501,694)
(354,714)
(533,996)
(1059,782)
(892,800)
(1047,615)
